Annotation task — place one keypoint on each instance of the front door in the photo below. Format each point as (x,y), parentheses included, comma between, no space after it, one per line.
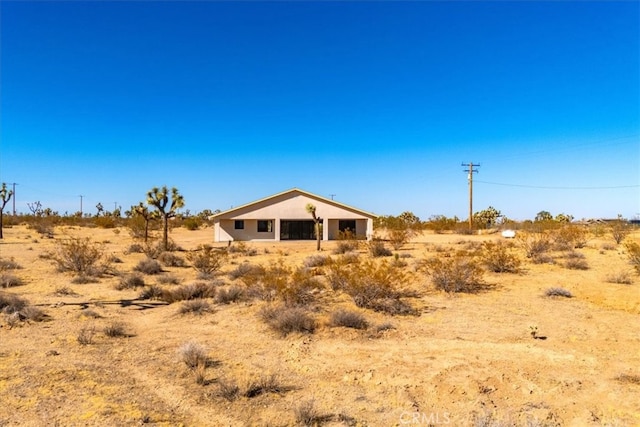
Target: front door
(297,230)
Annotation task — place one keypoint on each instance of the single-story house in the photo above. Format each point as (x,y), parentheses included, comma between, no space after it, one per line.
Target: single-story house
(283,216)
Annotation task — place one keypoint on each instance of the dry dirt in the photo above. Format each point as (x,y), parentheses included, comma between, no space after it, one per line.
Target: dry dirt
(468,359)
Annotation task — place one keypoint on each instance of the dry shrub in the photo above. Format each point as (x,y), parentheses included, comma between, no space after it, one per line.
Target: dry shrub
(231,294)
(455,274)
(64,291)
(620,230)
(248,273)
(349,319)
(376,286)
(85,335)
(198,290)
(10,303)
(629,379)
(9,264)
(570,237)
(497,257)
(115,330)
(576,261)
(536,246)
(293,287)
(347,242)
(207,260)
(130,281)
(316,261)
(195,306)
(377,249)
(307,414)
(170,259)
(80,256)
(286,320)
(8,280)
(82,280)
(265,384)
(228,389)
(558,292)
(168,279)
(135,248)
(633,253)
(399,237)
(242,248)
(621,278)
(193,354)
(151,292)
(148,266)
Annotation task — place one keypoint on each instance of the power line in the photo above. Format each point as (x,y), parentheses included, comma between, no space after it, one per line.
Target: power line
(543,187)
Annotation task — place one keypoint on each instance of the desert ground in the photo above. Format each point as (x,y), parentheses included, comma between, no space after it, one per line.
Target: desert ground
(462,359)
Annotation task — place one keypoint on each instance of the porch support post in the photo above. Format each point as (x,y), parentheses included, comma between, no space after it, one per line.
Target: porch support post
(276,229)
(325,229)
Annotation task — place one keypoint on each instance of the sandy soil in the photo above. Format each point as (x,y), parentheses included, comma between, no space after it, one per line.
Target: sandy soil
(467,359)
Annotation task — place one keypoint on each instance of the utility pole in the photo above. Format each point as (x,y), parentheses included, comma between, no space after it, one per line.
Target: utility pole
(81,196)
(14,197)
(332,196)
(471,171)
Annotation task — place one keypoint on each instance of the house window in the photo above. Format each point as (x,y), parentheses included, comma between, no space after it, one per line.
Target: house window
(265,226)
(239,224)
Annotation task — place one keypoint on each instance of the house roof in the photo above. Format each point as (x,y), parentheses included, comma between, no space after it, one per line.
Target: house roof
(292,191)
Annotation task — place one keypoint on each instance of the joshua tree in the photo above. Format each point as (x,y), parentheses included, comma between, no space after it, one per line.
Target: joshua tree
(100,208)
(35,208)
(159,199)
(143,212)
(318,221)
(5,196)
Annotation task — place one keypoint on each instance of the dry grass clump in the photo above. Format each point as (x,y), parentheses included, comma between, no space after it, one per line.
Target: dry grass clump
(347,242)
(170,259)
(377,249)
(193,354)
(135,248)
(455,274)
(228,389)
(16,309)
(499,259)
(207,260)
(9,264)
(248,273)
(151,292)
(130,281)
(575,261)
(198,290)
(265,384)
(348,319)
(85,335)
(231,294)
(148,266)
(241,248)
(8,280)
(558,292)
(115,330)
(168,279)
(286,320)
(195,306)
(621,278)
(80,256)
(64,291)
(279,281)
(317,260)
(307,414)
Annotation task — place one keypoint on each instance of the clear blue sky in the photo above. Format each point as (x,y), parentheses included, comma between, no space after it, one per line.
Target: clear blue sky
(377,103)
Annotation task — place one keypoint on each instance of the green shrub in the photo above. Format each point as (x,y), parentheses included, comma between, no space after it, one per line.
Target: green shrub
(192,223)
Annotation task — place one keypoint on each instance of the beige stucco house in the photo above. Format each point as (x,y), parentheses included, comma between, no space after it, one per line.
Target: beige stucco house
(283,216)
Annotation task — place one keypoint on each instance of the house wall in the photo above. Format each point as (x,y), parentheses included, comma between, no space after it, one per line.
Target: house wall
(290,206)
